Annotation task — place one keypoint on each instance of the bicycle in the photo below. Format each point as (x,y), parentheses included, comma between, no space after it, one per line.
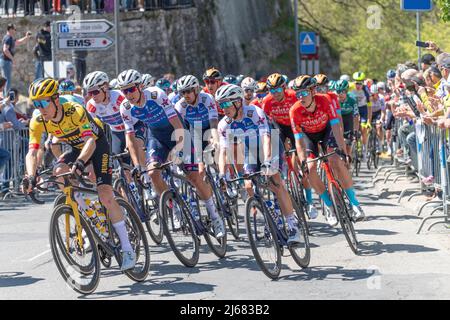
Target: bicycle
(148,211)
(266,230)
(356,153)
(340,201)
(373,157)
(227,202)
(79,243)
(179,221)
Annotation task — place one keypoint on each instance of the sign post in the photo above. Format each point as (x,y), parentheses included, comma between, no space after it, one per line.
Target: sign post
(418,6)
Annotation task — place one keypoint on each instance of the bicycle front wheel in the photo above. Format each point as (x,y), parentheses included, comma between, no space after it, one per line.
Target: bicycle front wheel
(78,263)
(179,229)
(345,219)
(263,238)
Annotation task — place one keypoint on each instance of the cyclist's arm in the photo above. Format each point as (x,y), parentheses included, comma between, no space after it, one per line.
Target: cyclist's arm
(339,137)
(223,149)
(132,146)
(369,114)
(55,147)
(88,149)
(31,162)
(36,131)
(214,134)
(178,132)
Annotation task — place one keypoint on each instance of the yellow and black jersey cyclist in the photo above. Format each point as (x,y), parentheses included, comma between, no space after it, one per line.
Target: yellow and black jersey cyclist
(71,123)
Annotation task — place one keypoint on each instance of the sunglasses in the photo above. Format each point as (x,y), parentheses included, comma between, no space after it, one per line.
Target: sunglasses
(261,95)
(226,105)
(359,83)
(278,90)
(187,91)
(41,104)
(93,93)
(303,93)
(129,90)
(211,81)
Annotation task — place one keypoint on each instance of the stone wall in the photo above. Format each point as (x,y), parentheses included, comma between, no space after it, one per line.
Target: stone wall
(237,36)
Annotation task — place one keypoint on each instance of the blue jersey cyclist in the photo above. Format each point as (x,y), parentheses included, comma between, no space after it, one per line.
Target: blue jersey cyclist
(250,125)
(166,134)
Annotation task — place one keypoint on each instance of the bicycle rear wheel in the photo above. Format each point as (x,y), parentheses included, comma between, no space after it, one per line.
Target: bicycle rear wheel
(263,238)
(345,219)
(179,229)
(79,265)
(233,217)
(138,240)
(301,252)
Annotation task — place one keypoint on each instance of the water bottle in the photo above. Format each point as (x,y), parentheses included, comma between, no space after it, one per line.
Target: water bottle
(279,219)
(194,209)
(89,211)
(101,225)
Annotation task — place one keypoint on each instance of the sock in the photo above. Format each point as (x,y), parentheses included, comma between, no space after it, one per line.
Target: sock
(123,235)
(308,193)
(352,196)
(211,207)
(326,199)
(291,221)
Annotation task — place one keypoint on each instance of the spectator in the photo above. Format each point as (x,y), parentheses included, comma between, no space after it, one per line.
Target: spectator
(7,54)
(444,67)
(43,49)
(4,154)
(8,114)
(79,60)
(45,7)
(28,7)
(426,61)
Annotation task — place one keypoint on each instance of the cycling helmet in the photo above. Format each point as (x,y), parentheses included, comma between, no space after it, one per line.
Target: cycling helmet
(66,86)
(261,87)
(229,92)
(332,85)
(286,79)
(43,88)
(113,84)
(345,77)
(94,80)
(381,85)
(368,82)
(239,79)
(321,79)
(212,74)
(304,82)
(391,74)
(373,89)
(359,76)
(187,82)
(147,80)
(231,79)
(275,80)
(163,84)
(341,85)
(129,77)
(249,84)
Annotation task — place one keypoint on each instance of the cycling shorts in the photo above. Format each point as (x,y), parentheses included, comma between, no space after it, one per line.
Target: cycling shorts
(312,140)
(101,160)
(390,121)
(348,126)
(363,113)
(285,133)
(376,116)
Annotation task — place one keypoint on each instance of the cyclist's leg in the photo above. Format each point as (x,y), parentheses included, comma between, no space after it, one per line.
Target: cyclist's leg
(157,153)
(364,133)
(348,131)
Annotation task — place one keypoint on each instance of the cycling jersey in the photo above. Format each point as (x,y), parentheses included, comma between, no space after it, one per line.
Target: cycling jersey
(75,125)
(174,97)
(155,114)
(361,96)
(219,109)
(378,105)
(71,98)
(335,100)
(109,113)
(256,102)
(304,121)
(279,111)
(202,113)
(349,106)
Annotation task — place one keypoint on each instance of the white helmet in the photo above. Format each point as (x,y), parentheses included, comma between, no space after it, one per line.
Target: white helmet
(229,92)
(374,88)
(128,77)
(113,84)
(381,85)
(94,80)
(345,77)
(187,82)
(249,84)
(147,80)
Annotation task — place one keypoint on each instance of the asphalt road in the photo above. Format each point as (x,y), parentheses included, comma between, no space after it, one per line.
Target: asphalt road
(396,263)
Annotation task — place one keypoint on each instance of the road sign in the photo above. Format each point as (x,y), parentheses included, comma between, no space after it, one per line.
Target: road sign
(85,43)
(308,43)
(83,26)
(416,5)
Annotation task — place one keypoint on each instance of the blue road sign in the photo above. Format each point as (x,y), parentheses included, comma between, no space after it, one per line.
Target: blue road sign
(308,43)
(416,5)
(63,28)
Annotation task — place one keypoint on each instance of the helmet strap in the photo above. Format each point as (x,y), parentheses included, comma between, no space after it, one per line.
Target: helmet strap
(236,113)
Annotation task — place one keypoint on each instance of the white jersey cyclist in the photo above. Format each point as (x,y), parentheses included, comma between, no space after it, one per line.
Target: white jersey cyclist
(109,113)
(203,112)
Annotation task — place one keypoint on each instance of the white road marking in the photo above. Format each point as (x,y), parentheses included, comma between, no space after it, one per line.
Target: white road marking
(39,255)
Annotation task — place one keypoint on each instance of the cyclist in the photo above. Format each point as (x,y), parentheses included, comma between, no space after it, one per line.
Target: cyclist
(153,108)
(213,81)
(148,80)
(71,123)
(325,86)
(261,92)
(66,91)
(164,85)
(249,124)
(349,111)
(174,97)
(113,84)
(249,85)
(378,112)
(314,119)
(231,79)
(362,95)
